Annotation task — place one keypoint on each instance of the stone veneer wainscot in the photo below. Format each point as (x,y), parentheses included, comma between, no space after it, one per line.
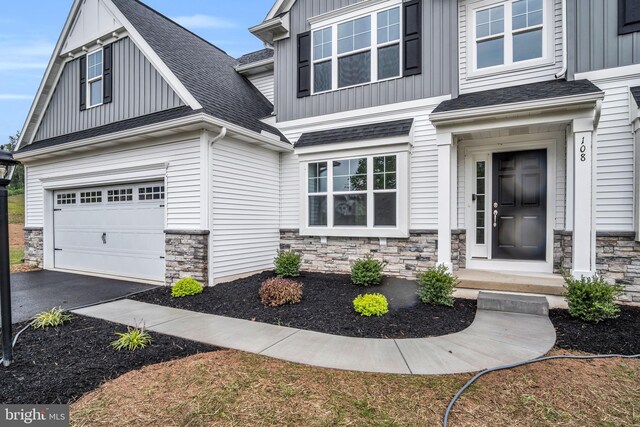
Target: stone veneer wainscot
(186,255)
(33,246)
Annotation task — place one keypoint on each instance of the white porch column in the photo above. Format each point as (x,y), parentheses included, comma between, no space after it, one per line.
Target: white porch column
(584,198)
(444,141)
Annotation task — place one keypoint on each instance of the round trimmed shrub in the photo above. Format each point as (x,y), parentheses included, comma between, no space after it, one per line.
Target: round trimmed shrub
(436,286)
(367,271)
(371,305)
(278,291)
(287,264)
(186,287)
(592,299)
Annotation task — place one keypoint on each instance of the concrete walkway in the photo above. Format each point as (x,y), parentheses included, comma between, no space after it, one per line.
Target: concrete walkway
(494,338)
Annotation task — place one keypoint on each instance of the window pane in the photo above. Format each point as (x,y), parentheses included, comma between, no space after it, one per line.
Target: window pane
(535,18)
(361,41)
(354,69)
(317,182)
(322,76)
(350,175)
(340,167)
(394,16)
(390,163)
(490,52)
(95,90)
(384,209)
(345,30)
(322,44)
(354,35)
(394,32)
(378,181)
(483,30)
(527,45)
(317,210)
(362,25)
(390,181)
(350,209)
(378,164)
(490,21)
(389,62)
(345,45)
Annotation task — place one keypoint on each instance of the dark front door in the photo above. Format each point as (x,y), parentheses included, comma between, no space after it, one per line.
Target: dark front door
(519,206)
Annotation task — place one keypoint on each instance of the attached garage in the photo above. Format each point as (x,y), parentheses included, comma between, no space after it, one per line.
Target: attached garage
(111,230)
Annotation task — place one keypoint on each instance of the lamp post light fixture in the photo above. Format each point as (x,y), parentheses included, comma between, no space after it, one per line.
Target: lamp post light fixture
(7,167)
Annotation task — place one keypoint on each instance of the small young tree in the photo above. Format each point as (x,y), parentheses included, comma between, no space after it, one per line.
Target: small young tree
(17,183)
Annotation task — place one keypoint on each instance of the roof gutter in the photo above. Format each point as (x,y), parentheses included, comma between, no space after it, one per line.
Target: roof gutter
(447,117)
(199,118)
(563,71)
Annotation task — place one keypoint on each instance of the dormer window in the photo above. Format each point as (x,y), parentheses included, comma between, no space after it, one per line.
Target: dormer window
(94,78)
(357,50)
(510,34)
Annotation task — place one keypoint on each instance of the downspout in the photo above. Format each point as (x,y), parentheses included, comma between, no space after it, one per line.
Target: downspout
(563,71)
(221,135)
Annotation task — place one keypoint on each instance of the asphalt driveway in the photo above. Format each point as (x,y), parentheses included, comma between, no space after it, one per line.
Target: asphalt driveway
(37,291)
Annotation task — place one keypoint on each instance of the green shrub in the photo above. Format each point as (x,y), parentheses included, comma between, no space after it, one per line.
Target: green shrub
(287,264)
(436,286)
(133,339)
(371,305)
(278,291)
(185,287)
(592,299)
(367,271)
(54,317)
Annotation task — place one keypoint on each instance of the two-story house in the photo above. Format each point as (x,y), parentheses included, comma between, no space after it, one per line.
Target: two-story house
(494,135)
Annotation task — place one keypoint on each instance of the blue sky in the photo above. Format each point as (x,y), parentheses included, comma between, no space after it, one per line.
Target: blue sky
(29,30)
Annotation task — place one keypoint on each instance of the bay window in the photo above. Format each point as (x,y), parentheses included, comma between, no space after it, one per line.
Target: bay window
(357,51)
(361,195)
(510,33)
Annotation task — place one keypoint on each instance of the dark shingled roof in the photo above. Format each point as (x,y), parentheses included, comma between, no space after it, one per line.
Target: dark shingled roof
(149,119)
(522,93)
(206,71)
(260,55)
(356,133)
(635,92)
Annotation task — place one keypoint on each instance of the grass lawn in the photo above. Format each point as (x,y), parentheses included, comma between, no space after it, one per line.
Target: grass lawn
(16,209)
(232,388)
(16,255)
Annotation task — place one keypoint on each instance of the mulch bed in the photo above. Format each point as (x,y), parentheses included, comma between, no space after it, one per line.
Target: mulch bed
(615,336)
(60,365)
(327,306)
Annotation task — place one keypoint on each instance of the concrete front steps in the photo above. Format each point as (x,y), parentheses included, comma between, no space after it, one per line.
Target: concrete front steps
(530,283)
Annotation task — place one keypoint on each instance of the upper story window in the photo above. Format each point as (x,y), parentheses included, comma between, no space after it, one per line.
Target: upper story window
(356,51)
(509,34)
(94,78)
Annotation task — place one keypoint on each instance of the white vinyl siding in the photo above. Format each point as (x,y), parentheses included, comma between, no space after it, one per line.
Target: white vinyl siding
(423,192)
(245,208)
(264,83)
(615,145)
(183,177)
(513,77)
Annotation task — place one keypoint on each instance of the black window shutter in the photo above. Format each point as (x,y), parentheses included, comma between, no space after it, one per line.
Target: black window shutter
(83,83)
(628,16)
(304,64)
(107,76)
(412,37)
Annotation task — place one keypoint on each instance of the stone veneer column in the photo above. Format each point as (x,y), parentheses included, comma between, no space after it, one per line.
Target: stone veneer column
(186,255)
(33,246)
(562,251)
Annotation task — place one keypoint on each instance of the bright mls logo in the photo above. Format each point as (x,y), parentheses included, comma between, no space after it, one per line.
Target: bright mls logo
(35,415)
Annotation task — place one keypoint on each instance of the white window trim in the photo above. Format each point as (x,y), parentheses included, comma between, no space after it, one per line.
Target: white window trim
(548,38)
(401,230)
(95,79)
(333,22)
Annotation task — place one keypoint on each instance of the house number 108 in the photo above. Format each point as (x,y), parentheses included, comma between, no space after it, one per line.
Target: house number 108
(583,149)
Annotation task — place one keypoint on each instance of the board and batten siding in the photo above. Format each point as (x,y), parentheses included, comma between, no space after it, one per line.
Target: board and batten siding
(439,62)
(138,89)
(424,172)
(511,77)
(245,208)
(593,39)
(264,83)
(182,177)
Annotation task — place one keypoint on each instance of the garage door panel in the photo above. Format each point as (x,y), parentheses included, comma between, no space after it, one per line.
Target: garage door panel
(119,231)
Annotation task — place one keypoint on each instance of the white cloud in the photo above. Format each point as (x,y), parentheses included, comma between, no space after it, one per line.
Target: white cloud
(21,54)
(14,97)
(203,21)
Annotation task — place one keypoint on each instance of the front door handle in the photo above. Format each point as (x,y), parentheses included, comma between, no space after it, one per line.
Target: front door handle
(104,238)
(495,218)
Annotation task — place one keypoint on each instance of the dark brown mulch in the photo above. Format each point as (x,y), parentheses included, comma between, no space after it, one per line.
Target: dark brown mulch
(615,336)
(327,306)
(60,365)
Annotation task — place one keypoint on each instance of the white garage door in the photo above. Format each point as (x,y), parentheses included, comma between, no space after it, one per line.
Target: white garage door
(113,230)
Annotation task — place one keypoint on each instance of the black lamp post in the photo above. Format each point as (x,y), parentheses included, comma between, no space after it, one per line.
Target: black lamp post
(7,166)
